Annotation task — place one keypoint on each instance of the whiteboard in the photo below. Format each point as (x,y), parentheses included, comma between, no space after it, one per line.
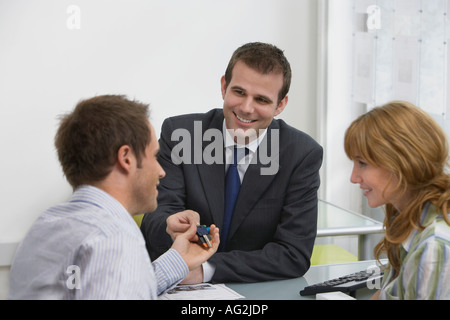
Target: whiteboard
(412,54)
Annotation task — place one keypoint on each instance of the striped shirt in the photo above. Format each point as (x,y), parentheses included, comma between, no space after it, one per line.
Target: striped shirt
(90,248)
(425,263)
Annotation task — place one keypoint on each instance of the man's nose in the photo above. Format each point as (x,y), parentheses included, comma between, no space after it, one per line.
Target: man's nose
(247,105)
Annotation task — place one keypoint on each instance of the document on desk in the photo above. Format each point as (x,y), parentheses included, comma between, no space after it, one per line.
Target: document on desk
(203,291)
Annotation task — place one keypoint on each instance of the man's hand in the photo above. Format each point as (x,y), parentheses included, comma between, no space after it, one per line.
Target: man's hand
(180,222)
(194,276)
(193,253)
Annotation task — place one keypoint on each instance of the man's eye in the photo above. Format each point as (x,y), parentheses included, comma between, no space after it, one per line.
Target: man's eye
(262,100)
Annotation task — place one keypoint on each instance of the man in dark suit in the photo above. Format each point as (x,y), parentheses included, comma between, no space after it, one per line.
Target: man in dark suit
(272,229)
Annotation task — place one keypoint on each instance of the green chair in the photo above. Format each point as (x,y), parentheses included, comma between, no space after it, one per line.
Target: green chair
(138,219)
(330,254)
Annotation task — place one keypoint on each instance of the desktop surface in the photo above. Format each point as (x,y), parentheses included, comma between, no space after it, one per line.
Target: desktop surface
(290,289)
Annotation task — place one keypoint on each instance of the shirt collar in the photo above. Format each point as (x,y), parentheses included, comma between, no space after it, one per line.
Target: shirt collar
(102,199)
(412,234)
(408,241)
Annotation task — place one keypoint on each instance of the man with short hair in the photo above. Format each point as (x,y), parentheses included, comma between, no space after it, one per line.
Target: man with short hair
(90,247)
(269,231)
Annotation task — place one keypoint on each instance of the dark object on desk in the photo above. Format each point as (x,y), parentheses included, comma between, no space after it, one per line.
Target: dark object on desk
(348,284)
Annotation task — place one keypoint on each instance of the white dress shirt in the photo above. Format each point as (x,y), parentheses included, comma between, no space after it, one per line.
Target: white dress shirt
(243,161)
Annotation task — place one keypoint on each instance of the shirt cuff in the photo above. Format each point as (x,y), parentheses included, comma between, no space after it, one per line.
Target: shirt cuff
(170,269)
(208,271)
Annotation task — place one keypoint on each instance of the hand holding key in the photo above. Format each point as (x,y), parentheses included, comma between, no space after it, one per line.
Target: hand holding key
(203,235)
(193,253)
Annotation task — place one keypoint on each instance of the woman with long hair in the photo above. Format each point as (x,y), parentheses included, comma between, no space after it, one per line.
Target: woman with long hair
(401,160)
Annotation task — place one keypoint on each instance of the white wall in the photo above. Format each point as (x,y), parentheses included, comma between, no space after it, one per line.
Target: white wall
(169,53)
(340,109)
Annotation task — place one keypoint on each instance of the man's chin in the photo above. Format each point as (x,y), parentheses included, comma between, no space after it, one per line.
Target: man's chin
(150,209)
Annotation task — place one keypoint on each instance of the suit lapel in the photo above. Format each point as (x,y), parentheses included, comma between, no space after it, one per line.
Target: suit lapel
(254,184)
(252,188)
(213,175)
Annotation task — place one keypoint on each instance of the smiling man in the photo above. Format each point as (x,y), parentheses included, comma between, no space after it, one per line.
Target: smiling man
(269,231)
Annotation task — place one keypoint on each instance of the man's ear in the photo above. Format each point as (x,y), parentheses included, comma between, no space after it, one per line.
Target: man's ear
(281,106)
(223,86)
(125,158)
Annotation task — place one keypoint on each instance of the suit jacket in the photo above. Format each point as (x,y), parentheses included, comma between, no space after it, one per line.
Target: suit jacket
(274,224)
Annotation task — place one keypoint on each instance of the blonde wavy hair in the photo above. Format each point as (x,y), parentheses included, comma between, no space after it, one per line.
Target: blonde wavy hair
(405,140)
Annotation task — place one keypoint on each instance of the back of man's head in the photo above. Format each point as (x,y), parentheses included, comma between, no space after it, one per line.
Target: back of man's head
(89,138)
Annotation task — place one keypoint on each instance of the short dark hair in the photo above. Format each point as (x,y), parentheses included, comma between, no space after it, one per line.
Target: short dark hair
(89,138)
(264,58)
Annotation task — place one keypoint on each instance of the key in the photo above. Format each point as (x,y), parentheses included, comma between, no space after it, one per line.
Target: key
(203,234)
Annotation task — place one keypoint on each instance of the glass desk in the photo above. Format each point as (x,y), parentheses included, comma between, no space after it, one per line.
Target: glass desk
(290,289)
(335,221)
